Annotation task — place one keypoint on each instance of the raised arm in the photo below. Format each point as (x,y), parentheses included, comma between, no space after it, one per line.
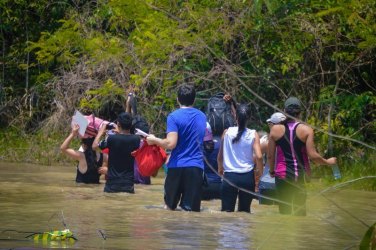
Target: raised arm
(74,154)
(101,132)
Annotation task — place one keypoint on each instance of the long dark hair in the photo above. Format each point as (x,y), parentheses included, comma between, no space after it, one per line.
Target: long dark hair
(242,116)
(90,155)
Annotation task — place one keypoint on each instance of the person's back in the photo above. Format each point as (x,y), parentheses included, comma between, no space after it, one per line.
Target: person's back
(185,133)
(294,143)
(267,183)
(120,177)
(91,175)
(238,157)
(120,160)
(190,125)
(211,164)
(89,167)
(212,180)
(292,160)
(236,163)
(138,122)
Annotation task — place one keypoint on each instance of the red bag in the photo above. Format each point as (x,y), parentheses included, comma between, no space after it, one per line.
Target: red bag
(149,158)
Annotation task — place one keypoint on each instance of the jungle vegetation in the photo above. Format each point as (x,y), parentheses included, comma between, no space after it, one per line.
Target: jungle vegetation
(58,56)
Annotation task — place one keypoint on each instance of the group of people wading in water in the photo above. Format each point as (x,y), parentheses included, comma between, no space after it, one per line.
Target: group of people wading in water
(232,163)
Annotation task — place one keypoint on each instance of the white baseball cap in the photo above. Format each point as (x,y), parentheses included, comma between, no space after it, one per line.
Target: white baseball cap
(276,118)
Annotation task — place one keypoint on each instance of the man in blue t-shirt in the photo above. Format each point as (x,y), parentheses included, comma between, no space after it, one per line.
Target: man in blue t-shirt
(185,134)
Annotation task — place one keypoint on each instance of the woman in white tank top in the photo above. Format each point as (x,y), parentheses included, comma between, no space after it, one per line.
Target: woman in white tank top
(239,147)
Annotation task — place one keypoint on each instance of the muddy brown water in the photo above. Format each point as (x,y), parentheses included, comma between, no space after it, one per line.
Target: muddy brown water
(41,198)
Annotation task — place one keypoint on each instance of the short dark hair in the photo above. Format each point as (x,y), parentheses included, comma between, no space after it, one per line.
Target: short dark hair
(125,120)
(186,94)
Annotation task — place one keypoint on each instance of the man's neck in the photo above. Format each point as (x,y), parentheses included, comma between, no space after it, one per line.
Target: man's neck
(124,131)
(185,107)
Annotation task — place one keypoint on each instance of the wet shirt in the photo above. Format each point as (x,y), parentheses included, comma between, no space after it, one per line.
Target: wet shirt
(190,124)
(292,159)
(238,157)
(91,175)
(120,160)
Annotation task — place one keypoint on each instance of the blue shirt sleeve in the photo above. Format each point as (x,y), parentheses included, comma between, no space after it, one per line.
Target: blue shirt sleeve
(171,124)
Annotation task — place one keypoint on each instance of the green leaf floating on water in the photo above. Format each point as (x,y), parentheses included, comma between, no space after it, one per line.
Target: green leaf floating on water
(369,239)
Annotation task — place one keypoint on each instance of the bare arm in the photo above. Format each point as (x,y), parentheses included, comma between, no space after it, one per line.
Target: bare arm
(128,104)
(264,147)
(313,154)
(74,154)
(271,152)
(101,132)
(228,98)
(258,156)
(104,168)
(168,143)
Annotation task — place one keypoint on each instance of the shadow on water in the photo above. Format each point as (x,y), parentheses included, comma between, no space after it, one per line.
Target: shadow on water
(41,199)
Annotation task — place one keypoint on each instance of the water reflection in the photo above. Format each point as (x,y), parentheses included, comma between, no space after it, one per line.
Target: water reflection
(234,235)
(183,234)
(40,199)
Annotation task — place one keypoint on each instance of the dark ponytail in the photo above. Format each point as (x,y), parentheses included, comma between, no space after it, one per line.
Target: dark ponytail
(242,116)
(90,155)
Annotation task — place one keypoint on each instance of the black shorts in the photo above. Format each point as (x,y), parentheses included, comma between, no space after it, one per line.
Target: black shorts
(184,185)
(212,191)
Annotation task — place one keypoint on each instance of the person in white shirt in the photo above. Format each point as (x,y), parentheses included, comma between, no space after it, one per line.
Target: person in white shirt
(267,183)
(240,146)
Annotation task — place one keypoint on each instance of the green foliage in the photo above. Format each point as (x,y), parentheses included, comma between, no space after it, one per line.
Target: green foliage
(61,46)
(21,23)
(321,51)
(95,98)
(40,148)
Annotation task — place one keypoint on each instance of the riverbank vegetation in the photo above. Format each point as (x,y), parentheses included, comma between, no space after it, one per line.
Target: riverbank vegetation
(58,56)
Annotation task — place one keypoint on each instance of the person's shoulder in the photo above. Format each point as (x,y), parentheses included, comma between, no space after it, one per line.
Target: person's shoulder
(277,131)
(134,137)
(303,130)
(278,127)
(304,127)
(201,115)
(173,112)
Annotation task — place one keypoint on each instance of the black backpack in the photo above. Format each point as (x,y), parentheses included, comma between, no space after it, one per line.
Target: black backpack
(219,114)
(138,121)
